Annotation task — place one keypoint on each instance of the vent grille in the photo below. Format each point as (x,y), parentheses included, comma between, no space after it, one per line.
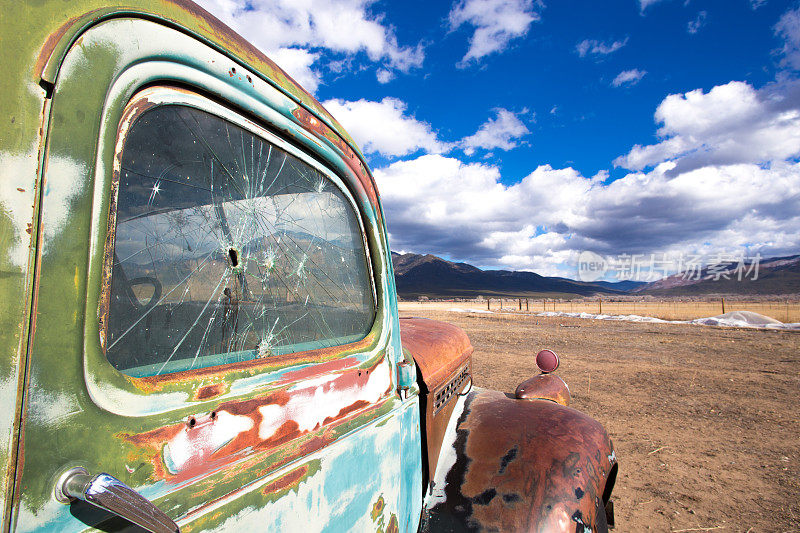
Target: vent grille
(443,395)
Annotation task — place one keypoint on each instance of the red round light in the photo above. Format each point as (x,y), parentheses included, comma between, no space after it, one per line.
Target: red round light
(547,361)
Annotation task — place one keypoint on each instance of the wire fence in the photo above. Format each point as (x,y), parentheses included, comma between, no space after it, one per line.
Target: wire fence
(787,311)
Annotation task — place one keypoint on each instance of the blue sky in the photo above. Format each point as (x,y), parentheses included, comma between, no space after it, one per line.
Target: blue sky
(519,133)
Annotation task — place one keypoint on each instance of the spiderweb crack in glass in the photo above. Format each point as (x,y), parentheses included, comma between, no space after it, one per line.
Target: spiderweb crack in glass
(228,248)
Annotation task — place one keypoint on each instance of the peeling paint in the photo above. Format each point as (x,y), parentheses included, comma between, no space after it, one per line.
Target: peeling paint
(17,169)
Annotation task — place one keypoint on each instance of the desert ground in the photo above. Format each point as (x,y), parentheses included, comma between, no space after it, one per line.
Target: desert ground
(705,420)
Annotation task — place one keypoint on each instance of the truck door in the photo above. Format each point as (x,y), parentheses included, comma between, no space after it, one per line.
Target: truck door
(211,325)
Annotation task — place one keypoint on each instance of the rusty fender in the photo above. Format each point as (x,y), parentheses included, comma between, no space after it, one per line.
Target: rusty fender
(544,387)
(520,465)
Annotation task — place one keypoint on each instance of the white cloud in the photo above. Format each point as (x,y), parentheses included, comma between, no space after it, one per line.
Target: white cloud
(644,4)
(725,179)
(629,77)
(755,4)
(501,132)
(598,48)
(694,25)
(545,220)
(384,76)
(732,123)
(788,28)
(340,26)
(496,23)
(384,127)
(298,63)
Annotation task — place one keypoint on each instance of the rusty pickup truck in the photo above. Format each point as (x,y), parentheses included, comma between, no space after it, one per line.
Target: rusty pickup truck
(199,328)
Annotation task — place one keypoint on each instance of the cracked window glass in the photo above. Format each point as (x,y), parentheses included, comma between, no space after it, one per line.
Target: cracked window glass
(227,248)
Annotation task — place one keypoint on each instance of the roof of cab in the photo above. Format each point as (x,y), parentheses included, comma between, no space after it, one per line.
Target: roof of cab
(50,27)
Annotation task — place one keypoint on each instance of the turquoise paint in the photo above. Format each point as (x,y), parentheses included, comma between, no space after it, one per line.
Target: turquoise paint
(411,461)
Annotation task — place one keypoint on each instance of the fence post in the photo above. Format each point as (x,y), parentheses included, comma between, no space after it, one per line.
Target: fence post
(601,306)
(723,306)
(488,304)
(520,304)
(528,308)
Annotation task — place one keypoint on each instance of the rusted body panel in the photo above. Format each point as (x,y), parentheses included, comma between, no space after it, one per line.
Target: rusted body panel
(439,348)
(544,387)
(443,355)
(511,465)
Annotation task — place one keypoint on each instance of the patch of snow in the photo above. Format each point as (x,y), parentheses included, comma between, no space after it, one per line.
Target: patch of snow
(734,319)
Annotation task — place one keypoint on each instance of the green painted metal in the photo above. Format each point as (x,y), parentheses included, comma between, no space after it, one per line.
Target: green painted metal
(73,72)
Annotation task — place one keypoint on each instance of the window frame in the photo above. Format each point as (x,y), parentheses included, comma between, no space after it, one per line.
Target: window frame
(165,95)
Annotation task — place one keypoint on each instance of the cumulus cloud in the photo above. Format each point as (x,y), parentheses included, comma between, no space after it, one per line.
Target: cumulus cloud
(628,77)
(384,76)
(279,25)
(503,132)
(496,23)
(385,127)
(544,221)
(730,124)
(724,179)
(788,29)
(594,47)
(694,25)
(298,63)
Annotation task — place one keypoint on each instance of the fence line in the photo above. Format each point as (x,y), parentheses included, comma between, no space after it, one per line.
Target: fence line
(783,310)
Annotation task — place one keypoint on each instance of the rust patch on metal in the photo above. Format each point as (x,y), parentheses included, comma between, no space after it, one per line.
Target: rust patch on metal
(438,348)
(132,112)
(393,526)
(321,355)
(521,465)
(210,391)
(209,442)
(360,404)
(544,387)
(50,44)
(377,508)
(442,353)
(286,482)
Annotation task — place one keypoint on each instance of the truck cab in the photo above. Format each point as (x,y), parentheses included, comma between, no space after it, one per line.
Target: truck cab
(200,328)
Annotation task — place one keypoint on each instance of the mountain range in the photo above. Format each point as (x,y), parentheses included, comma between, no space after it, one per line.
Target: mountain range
(428,275)
(776,275)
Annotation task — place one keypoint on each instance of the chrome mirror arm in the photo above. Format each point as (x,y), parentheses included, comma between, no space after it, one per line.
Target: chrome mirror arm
(109,493)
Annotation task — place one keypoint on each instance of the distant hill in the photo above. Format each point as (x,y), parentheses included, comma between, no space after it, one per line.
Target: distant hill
(777,275)
(625,286)
(429,275)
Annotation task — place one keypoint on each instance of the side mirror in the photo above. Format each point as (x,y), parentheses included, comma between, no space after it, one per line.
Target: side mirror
(109,493)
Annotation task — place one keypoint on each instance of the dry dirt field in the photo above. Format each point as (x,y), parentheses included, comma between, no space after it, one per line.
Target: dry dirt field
(705,420)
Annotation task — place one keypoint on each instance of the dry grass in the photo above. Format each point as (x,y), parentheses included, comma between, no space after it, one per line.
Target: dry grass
(785,311)
(704,419)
